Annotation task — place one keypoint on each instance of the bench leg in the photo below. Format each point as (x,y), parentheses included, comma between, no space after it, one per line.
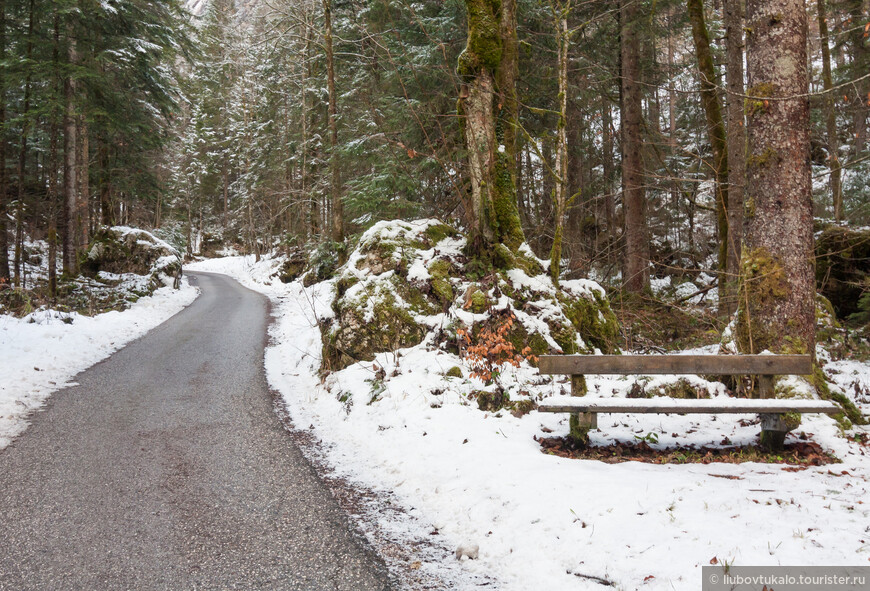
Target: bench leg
(773,430)
(580,424)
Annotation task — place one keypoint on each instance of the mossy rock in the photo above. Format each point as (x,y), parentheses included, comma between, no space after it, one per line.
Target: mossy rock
(503,258)
(594,320)
(293,267)
(520,408)
(414,296)
(353,336)
(842,271)
(442,290)
(476,301)
(438,232)
(122,250)
(378,258)
(565,337)
(454,372)
(440,270)
(521,338)
(491,401)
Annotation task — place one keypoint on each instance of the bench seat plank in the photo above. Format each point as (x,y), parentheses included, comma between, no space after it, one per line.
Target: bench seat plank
(675,405)
(675,364)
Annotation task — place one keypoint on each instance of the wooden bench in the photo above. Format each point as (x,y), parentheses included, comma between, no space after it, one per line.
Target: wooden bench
(584,410)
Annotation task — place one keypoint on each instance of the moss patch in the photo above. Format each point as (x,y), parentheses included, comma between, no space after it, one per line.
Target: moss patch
(454,372)
(356,337)
(762,283)
(594,320)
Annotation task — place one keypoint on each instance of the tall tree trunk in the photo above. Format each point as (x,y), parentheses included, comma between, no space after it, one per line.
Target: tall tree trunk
(778,290)
(736,135)
(715,132)
(636,261)
(22,155)
(72,223)
(4,237)
(506,81)
(54,131)
(510,227)
(313,205)
(830,115)
(337,210)
(860,65)
(491,208)
(608,171)
(83,205)
(107,209)
(560,196)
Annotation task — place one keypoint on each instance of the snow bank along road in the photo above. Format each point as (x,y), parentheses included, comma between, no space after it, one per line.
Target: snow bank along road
(166,468)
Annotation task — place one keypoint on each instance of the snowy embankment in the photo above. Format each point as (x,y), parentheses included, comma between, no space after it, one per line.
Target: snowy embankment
(545,522)
(45,349)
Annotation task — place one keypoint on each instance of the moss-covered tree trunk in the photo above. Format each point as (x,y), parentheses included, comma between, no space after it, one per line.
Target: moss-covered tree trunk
(716,134)
(736,135)
(777,291)
(491,207)
(636,261)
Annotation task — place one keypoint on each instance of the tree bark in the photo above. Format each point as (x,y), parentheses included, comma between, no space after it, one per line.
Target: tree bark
(778,290)
(608,170)
(22,155)
(736,134)
(72,222)
(83,209)
(491,207)
(636,262)
(4,237)
(107,209)
(337,210)
(715,132)
(860,65)
(560,195)
(830,115)
(53,133)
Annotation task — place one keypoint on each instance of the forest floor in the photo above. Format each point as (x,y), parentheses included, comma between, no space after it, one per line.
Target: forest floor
(440,468)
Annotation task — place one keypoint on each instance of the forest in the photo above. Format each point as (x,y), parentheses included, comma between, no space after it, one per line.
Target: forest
(623,141)
(321,289)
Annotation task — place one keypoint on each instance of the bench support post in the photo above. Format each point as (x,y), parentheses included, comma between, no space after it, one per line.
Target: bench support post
(773,426)
(582,422)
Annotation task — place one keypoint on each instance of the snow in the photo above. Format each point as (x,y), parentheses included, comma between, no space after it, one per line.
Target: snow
(664,403)
(45,349)
(540,521)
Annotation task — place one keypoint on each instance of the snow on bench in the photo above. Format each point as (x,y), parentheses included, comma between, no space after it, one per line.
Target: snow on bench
(663,404)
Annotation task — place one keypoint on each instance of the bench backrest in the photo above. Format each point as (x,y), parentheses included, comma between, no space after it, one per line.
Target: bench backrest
(676,364)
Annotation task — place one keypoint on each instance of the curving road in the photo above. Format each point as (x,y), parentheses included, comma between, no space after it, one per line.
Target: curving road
(166,468)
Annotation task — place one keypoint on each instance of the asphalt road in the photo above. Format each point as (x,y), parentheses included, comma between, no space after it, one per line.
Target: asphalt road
(166,468)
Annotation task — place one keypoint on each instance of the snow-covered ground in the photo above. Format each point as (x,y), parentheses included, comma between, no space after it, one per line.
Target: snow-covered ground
(42,351)
(398,426)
